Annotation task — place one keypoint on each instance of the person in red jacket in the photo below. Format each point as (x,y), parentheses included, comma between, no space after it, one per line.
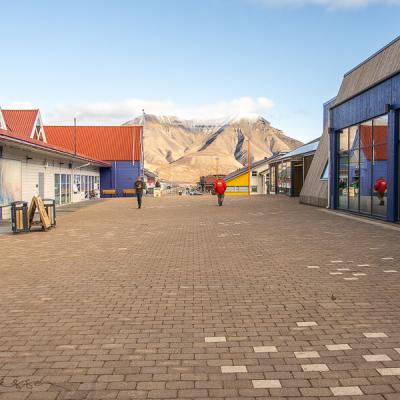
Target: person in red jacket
(380,188)
(219,189)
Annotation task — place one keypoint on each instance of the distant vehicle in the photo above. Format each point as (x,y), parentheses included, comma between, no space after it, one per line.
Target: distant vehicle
(195,193)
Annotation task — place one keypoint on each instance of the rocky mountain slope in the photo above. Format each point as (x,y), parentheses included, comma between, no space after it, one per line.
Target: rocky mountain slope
(184,150)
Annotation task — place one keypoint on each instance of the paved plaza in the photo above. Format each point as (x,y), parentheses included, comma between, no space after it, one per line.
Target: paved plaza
(262,298)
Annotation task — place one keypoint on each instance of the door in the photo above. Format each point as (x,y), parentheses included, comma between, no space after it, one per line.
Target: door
(297,179)
(41,184)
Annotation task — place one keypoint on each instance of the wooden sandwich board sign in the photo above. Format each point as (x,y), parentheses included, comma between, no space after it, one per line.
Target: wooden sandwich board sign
(37,203)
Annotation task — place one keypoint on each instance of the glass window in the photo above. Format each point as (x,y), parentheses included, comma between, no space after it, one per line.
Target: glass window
(254,189)
(362,167)
(284,177)
(343,140)
(77,182)
(379,181)
(365,179)
(343,176)
(68,188)
(354,179)
(253,173)
(380,130)
(354,138)
(325,173)
(273,179)
(57,196)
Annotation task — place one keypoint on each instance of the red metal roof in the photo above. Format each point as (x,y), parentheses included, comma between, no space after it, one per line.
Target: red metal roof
(22,139)
(21,122)
(108,143)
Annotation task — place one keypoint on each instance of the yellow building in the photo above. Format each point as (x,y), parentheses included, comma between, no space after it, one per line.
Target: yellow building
(237,182)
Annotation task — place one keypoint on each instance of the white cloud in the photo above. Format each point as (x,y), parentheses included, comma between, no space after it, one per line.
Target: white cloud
(121,111)
(331,4)
(21,105)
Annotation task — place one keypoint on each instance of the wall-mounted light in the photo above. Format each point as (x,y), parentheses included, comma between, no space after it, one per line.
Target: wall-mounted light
(388,107)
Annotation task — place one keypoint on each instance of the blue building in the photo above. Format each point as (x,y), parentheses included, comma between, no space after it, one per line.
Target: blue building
(362,124)
(119,146)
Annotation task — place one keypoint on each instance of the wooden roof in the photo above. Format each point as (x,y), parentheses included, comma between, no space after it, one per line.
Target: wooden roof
(379,67)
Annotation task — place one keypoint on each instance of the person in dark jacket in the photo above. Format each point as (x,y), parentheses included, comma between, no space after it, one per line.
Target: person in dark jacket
(139,186)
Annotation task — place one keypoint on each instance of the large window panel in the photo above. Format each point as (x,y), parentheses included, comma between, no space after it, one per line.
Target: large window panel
(379,181)
(365,180)
(343,176)
(366,134)
(380,130)
(344,140)
(354,138)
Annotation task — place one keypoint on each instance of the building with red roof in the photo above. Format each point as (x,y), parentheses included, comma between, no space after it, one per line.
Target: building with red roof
(65,163)
(119,145)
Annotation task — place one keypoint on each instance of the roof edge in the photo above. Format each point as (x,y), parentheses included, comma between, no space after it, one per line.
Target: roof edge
(371,57)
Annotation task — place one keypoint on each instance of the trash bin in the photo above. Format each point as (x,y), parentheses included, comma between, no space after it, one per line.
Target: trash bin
(50,207)
(19,216)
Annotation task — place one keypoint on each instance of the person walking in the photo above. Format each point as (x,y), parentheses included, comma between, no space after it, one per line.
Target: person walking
(139,186)
(219,189)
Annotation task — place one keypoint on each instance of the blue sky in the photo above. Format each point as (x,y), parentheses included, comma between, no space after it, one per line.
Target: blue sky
(103,61)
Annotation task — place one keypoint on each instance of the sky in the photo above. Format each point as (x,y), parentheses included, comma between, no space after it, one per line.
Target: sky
(104,61)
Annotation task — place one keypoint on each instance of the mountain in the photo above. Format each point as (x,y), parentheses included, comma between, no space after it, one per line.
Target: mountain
(183,150)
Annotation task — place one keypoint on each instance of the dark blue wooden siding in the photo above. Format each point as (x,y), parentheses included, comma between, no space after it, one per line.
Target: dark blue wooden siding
(367,105)
(121,175)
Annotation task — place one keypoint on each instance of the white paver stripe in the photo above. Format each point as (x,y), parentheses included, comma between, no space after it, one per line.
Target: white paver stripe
(363,265)
(346,391)
(343,269)
(336,347)
(397,349)
(335,273)
(315,367)
(350,279)
(233,369)
(307,323)
(215,339)
(359,274)
(336,261)
(388,371)
(267,384)
(375,334)
(265,349)
(390,271)
(387,258)
(313,267)
(377,357)
(307,354)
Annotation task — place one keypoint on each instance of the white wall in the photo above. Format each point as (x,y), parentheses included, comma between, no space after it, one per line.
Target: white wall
(49,166)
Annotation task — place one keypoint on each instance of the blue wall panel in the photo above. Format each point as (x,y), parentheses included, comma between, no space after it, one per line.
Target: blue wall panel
(121,175)
(367,105)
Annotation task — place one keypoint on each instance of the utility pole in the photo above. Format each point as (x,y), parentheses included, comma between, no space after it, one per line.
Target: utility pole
(248,166)
(75,136)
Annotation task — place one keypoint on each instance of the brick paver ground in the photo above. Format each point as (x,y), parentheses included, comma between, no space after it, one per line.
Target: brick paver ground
(262,298)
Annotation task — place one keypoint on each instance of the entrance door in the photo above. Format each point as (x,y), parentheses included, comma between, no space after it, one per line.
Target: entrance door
(41,184)
(297,179)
